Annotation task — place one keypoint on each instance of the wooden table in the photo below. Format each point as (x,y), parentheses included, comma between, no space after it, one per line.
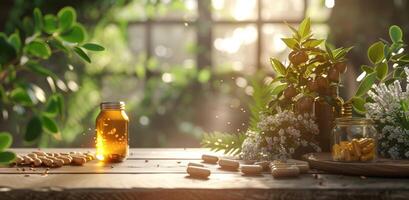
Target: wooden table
(160,174)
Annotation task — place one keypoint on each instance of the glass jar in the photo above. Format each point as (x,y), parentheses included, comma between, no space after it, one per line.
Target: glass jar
(112,132)
(354,140)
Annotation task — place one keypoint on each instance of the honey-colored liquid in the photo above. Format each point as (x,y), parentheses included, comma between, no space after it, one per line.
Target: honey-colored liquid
(112,135)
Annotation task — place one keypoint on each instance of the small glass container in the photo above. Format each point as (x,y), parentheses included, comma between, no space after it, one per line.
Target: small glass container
(354,140)
(112,140)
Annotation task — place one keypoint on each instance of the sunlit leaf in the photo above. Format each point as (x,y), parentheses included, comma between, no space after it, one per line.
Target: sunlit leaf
(310,43)
(52,107)
(366,84)
(39,49)
(279,88)
(58,45)
(93,47)
(34,129)
(66,18)
(329,50)
(367,69)
(5,140)
(7,157)
(49,124)
(74,35)
(50,24)
(82,54)
(305,27)
(290,42)
(278,66)
(375,52)
(381,70)
(395,33)
(359,105)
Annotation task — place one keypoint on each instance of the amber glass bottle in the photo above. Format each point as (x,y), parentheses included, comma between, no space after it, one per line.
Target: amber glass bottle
(327,107)
(112,132)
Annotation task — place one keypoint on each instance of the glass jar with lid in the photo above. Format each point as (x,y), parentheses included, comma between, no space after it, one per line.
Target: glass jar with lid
(354,140)
(112,132)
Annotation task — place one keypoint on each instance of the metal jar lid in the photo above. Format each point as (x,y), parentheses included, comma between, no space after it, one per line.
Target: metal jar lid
(112,105)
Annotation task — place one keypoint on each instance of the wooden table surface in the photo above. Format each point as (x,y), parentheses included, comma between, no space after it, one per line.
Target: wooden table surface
(161,174)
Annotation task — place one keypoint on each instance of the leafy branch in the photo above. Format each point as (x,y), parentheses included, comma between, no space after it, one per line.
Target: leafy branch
(229,143)
(382,55)
(23,53)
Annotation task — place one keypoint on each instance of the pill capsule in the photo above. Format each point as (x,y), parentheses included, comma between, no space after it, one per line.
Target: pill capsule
(198,171)
(67,160)
(57,162)
(32,155)
(46,161)
(27,160)
(264,164)
(195,164)
(251,169)
(19,160)
(229,164)
(78,160)
(283,172)
(37,162)
(356,147)
(210,158)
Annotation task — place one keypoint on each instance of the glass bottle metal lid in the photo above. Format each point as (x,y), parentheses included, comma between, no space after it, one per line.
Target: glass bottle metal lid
(112,105)
(353,121)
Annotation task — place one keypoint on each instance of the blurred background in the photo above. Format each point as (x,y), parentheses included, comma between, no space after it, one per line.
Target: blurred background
(184,67)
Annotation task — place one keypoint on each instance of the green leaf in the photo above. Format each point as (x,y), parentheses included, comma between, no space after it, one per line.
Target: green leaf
(34,129)
(74,35)
(66,18)
(304,29)
(375,52)
(15,41)
(52,107)
(310,43)
(5,140)
(49,124)
(38,20)
(50,24)
(278,67)
(60,100)
(279,88)
(20,95)
(28,26)
(39,49)
(395,33)
(329,51)
(7,51)
(7,157)
(93,47)
(359,105)
(381,70)
(367,69)
(290,42)
(366,84)
(39,69)
(82,54)
(58,45)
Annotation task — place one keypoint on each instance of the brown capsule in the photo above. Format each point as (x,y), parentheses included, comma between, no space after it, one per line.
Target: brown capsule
(210,158)
(32,155)
(19,160)
(78,160)
(290,92)
(283,172)
(251,169)
(46,161)
(199,172)
(37,162)
(333,75)
(229,164)
(39,153)
(27,160)
(67,160)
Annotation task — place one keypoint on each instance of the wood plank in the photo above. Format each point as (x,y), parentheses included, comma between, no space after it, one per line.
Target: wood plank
(140,153)
(127,167)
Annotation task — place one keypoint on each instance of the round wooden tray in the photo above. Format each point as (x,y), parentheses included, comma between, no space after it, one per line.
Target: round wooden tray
(380,168)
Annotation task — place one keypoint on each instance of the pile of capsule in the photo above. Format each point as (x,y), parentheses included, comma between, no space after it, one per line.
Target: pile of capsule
(278,169)
(40,159)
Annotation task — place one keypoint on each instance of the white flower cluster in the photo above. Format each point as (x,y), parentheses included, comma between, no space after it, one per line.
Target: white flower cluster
(280,136)
(390,112)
